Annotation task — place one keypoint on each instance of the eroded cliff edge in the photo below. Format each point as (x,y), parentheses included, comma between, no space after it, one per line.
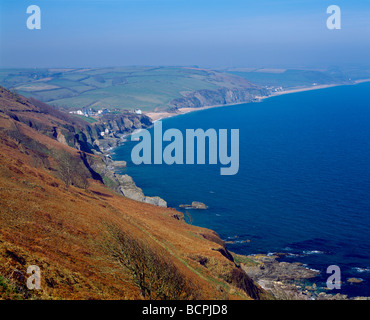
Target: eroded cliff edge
(219,97)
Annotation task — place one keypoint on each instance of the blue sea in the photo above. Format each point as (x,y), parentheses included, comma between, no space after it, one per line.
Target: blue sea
(303,186)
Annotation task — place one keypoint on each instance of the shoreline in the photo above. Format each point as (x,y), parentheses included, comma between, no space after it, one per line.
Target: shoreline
(269,277)
(157,116)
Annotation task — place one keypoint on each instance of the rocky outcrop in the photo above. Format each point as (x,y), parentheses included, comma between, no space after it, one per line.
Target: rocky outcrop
(269,268)
(119,164)
(129,189)
(194,205)
(221,96)
(277,277)
(157,201)
(122,184)
(288,281)
(60,137)
(107,133)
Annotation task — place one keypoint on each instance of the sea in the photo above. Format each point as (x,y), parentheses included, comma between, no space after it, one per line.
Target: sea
(303,186)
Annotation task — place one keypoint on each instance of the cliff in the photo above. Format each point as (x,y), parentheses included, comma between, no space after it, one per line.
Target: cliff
(221,96)
(70,130)
(78,134)
(122,184)
(114,127)
(58,213)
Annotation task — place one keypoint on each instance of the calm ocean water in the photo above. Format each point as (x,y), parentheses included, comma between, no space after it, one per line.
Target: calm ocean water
(303,186)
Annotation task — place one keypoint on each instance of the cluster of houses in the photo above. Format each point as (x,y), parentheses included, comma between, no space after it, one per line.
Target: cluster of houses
(274,89)
(89,112)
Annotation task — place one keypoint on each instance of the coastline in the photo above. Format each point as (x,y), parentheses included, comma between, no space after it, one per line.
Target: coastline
(157,116)
(268,272)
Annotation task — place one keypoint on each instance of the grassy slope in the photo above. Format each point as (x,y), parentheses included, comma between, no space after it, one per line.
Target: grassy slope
(146,88)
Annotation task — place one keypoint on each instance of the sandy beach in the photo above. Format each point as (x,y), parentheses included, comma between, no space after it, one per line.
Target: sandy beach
(155,116)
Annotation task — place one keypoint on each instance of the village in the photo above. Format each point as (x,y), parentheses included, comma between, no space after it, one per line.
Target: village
(89,112)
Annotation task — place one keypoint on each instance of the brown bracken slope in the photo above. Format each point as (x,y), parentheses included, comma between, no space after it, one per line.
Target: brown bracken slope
(70,231)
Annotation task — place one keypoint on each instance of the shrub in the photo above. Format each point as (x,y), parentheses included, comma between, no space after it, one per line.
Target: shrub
(156,276)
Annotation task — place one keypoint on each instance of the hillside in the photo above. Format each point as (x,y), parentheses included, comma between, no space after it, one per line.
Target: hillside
(118,88)
(68,129)
(56,212)
(295,78)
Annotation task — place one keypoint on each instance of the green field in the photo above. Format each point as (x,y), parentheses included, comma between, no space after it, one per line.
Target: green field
(146,88)
(153,88)
(87,119)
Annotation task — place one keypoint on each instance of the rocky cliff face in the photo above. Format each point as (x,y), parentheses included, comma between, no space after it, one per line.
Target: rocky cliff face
(222,96)
(129,189)
(95,138)
(88,137)
(108,131)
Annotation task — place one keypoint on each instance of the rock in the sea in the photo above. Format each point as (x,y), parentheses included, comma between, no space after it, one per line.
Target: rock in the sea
(354,280)
(194,205)
(198,205)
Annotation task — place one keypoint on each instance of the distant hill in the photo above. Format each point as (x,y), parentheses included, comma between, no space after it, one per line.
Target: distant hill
(146,88)
(294,78)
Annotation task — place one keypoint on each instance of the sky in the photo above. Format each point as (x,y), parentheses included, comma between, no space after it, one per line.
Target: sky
(207,33)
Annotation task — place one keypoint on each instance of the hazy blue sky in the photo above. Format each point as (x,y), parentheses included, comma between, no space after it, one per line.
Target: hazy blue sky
(210,33)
